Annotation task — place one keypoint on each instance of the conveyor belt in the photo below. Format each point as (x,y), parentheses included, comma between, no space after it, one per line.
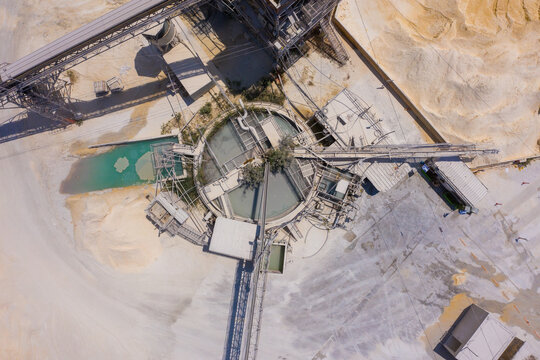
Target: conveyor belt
(134,16)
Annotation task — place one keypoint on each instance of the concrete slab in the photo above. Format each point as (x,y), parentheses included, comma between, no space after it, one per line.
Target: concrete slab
(233,238)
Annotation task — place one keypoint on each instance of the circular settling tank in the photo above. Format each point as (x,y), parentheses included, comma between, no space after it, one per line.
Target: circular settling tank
(229,146)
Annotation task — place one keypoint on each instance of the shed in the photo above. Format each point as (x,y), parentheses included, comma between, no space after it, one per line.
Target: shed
(477,334)
(233,238)
(115,84)
(383,175)
(459,179)
(101,88)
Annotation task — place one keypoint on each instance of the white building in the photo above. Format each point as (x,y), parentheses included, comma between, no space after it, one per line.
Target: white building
(233,238)
(479,335)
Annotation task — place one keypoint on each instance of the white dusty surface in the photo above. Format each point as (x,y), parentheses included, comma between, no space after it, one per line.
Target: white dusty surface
(396,282)
(472,67)
(97,282)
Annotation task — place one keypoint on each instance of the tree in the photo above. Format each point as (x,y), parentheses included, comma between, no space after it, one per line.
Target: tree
(278,158)
(253,174)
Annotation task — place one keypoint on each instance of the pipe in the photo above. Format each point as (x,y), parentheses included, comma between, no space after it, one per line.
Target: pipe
(243,125)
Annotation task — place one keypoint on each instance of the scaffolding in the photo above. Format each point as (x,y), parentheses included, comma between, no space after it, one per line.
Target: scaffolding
(284,25)
(172,197)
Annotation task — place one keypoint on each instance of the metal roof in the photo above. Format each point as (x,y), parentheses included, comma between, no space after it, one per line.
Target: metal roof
(462,180)
(477,334)
(385,175)
(88,33)
(176,212)
(470,320)
(188,68)
(233,238)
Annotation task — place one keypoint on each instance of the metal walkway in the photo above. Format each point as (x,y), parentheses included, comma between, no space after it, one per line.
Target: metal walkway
(248,292)
(256,296)
(32,81)
(391,152)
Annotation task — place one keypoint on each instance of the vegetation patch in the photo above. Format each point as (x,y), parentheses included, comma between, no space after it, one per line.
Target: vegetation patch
(73,76)
(173,123)
(206,109)
(281,157)
(191,136)
(264,90)
(253,174)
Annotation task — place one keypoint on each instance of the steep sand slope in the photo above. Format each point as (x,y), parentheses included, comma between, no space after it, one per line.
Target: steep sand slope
(472,67)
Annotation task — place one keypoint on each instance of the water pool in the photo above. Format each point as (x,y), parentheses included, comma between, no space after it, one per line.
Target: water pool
(124,165)
(225,145)
(285,125)
(282,197)
(277,258)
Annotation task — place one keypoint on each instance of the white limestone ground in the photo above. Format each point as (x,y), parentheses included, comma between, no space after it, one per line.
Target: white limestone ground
(110,288)
(380,295)
(122,292)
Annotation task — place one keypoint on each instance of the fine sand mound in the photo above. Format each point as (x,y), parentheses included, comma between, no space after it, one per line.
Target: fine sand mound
(100,227)
(472,67)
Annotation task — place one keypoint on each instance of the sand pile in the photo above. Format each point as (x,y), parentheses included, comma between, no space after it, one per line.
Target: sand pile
(100,227)
(472,67)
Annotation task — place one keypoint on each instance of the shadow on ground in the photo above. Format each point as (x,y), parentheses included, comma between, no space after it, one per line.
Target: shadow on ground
(240,60)
(100,106)
(148,62)
(25,124)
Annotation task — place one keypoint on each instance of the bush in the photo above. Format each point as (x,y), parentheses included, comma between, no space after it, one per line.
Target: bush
(287,142)
(263,91)
(72,75)
(278,158)
(206,109)
(173,123)
(191,137)
(252,174)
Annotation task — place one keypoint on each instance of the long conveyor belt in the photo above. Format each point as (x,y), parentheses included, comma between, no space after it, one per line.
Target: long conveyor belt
(105,32)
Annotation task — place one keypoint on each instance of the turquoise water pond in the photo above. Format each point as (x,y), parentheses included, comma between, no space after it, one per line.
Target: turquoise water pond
(124,165)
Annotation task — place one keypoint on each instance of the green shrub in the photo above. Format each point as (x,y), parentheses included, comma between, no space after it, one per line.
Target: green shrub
(206,109)
(263,91)
(252,174)
(278,158)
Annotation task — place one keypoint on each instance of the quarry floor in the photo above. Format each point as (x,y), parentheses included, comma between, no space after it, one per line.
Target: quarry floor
(394,283)
(87,276)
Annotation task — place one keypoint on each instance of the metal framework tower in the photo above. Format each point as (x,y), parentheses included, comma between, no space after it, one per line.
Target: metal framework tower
(167,164)
(284,25)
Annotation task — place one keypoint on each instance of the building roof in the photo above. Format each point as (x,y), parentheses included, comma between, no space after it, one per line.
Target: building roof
(471,319)
(384,175)
(477,335)
(233,238)
(462,180)
(188,68)
(271,132)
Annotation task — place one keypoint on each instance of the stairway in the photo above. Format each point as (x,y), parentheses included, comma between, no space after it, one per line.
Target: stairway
(338,50)
(191,235)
